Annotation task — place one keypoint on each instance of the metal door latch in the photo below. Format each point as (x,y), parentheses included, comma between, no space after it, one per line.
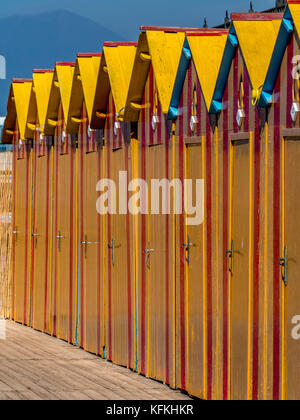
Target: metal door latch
(187,246)
(148,252)
(35,238)
(283,264)
(229,254)
(15,233)
(86,243)
(59,237)
(112,247)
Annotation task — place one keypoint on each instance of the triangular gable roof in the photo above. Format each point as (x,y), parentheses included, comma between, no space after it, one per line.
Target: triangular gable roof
(39,99)
(83,89)
(207,49)
(114,75)
(60,91)
(255,34)
(163,48)
(290,22)
(17,108)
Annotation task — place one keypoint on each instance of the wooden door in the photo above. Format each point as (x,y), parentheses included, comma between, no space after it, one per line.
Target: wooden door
(118,273)
(240,194)
(194,264)
(21,235)
(91,244)
(291,277)
(156,268)
(40,242)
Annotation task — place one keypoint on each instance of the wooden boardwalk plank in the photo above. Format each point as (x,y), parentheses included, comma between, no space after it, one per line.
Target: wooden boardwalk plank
(35,366)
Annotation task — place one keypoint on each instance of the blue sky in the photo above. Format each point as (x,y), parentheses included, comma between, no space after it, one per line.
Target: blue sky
(125,16)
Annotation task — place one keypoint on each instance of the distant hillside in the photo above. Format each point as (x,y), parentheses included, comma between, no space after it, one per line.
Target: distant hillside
(38,41)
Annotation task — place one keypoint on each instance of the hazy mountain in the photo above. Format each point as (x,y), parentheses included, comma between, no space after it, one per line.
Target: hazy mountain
(38,41)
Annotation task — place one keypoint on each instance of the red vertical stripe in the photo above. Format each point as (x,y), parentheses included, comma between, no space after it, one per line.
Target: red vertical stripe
(235,90)
(190,97)
(14,168)
(110,135)
(71,246)
(256,259)
(167,262)
(225,242)
(57,149)
(209,255)
(143,256)
(32,238)
(290,54)
(182,258)
(83,147)
(276,246)
(47,238)
(246,99)
(151,91)
(99,227)
(128,273)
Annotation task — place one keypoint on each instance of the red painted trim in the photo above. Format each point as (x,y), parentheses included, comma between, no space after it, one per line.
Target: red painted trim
(21,80)
(182,258)
(168,29)
(256,16)
(56,228)
(289,103)
(82,152)
(276,245)
(225,242)
(293,1)
(209,255)
(256,257)
(206,32)
(41,71)
(235,90)
(71,246)
(47,239)
(83,55)
(143,244)
(99,266)
(167,262)
(151,113)
(120,44)
(246,98)
(109,134)
(58,63)
(14,227)
(128,272)
(190,97)
(26,235)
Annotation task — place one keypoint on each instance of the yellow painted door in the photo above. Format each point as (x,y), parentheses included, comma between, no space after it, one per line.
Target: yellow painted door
(92,254)
(156,254)
(22,239)
(194,264)
(63,247)
(117,258)
(240,166)
(291,292)
(40,238)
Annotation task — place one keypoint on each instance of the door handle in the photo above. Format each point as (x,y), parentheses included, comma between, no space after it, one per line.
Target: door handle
(35,238)
(15,233)
(112,247)
(59,237)
(229,254)
(187,246)
(283,265)
(86,243)
(148,252)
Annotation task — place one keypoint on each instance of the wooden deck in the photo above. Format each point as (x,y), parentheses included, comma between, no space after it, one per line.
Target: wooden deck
(34,366)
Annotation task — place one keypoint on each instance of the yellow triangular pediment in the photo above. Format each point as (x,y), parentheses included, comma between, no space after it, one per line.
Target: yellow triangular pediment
(65,78)
(88,69)
(119,61)
(21,92)
(257,40)
(165,50)
(42,82)
(207,52)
